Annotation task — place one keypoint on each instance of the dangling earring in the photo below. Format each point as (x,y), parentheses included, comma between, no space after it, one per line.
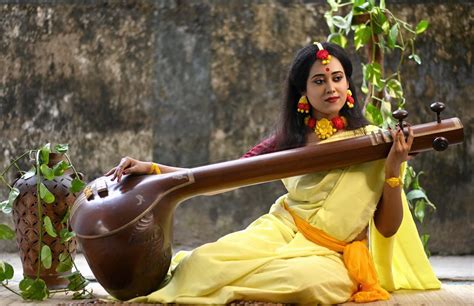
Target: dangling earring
(303,105)
(350,99)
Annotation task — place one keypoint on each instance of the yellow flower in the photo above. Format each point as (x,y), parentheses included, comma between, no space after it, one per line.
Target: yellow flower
(324,128)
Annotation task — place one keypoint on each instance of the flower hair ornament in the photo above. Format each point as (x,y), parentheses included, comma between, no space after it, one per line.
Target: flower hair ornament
(322,54)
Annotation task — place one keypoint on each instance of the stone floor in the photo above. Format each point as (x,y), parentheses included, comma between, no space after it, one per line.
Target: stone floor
(456,273)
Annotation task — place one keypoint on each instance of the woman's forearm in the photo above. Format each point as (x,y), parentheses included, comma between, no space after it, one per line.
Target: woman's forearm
(389,213)
(168,169)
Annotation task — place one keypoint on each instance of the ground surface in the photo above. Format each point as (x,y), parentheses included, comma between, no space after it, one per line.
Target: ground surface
(456,273)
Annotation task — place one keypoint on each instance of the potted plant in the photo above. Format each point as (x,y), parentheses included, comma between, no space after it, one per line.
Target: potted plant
(39,200)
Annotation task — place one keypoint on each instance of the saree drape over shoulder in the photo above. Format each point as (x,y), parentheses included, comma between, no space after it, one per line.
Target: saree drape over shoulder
(271,260)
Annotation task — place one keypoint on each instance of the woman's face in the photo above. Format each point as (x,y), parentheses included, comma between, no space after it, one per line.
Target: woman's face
(326,88)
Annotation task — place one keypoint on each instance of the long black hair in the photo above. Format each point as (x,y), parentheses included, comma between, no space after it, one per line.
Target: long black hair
(291,130)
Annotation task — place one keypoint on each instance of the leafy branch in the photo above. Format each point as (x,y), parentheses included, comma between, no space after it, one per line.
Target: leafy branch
(379,31)
(36,289)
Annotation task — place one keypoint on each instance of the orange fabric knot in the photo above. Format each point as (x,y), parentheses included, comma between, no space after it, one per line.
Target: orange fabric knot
(356,258)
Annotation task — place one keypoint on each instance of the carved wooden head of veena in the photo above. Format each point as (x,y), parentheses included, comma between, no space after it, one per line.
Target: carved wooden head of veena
(125,228)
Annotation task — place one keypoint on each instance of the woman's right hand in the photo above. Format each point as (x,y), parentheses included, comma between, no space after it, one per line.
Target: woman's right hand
(129,165)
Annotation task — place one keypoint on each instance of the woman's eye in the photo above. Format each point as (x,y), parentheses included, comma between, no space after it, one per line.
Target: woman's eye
(319,82)
(338,78)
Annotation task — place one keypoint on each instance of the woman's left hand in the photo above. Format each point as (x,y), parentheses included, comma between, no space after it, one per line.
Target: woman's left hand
(399,152)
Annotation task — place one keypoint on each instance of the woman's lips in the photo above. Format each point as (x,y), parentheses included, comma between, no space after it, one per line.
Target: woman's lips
(332,99)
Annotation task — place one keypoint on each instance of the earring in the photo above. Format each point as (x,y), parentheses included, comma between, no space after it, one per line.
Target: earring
(350,99)
(303,106)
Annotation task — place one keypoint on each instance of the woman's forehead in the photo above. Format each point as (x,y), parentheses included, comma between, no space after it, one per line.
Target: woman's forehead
(319,68)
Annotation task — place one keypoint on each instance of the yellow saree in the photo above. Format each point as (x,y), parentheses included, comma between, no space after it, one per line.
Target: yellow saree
(271,261)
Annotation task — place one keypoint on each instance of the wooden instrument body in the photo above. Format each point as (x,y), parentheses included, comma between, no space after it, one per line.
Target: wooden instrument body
(125,230)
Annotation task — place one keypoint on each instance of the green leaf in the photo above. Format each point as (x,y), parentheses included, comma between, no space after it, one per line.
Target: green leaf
(339,22)
(66,235)
(44,154)
(382,4)
(34,289)
(83,294)
(5,207)
(60,167)
(47,172)
(328,17)
(6,271)
(362,36)
(61,148)
(374,74)
(46,257)
(394,88)
(65,262)
(29,174)
(45,194)
(14,192)
(338,38)
(6,232)
(392,36)
(416,194)
(48,226)
(77,185)
(76,281)
(361,6)
(424,239)
(421,26)
(373,114)
(380,22)
(409,176)
(364,87)
(416,58)
(333,5)
(420,208)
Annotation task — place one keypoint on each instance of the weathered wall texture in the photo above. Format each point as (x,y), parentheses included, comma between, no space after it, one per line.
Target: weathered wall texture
(189,83)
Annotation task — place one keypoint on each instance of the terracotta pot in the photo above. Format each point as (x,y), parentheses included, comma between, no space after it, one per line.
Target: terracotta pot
(26,220)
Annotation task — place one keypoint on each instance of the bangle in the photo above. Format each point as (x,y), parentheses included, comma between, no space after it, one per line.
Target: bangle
(154,169)
(394,181)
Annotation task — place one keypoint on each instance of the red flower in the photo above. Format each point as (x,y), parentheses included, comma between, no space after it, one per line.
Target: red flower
(338,123)
(350,99)
(322,54)
(311,123)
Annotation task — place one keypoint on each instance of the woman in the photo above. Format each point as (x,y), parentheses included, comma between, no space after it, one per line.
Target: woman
(312,245)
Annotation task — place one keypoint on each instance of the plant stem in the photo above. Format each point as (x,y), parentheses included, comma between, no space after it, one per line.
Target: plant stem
(13,162)
(9,289)
(9,166)
(72,166)
(40,212)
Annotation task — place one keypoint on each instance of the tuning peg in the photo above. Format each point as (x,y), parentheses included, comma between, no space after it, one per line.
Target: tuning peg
(400,114)
(440,144)
(438,107)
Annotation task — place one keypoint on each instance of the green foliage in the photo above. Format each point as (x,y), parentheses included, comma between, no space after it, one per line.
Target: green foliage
(46,256)
(45,194)
(48,226)
(35,289)
(65,262)
(6,233)
(77,185)
(418,202)
(375,26)
(6,271)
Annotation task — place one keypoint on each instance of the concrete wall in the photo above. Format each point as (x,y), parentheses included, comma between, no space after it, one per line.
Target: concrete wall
(189,83)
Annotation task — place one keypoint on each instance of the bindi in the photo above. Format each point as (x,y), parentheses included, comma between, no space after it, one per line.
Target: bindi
(327,69)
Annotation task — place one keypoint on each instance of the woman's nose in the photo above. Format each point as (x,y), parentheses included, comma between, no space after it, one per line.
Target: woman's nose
(330,88)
